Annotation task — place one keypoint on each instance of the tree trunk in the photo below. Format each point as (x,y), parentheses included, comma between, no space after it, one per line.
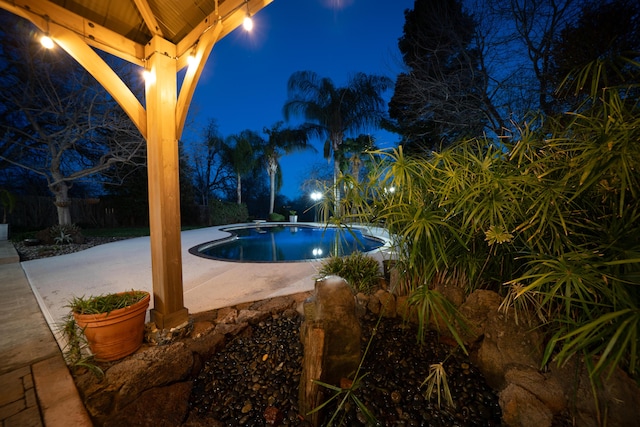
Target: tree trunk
(239,189)
(273,168)
(64,215)
(336,140)
(62,202)
(336,188)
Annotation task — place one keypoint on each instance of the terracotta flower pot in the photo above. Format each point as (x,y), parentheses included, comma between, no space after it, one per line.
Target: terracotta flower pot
(114,335)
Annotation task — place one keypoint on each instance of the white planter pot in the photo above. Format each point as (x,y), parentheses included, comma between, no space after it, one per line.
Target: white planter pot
(293,218)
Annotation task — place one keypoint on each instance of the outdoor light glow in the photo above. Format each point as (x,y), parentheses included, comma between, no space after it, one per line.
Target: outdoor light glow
(191,59)
(149,76)
(316,195)
(316,252)
(46,41)
(247,23)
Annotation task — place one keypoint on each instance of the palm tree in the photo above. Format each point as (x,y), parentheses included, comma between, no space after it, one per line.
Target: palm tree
(281,142)
(333,112)
(350,154)
(239,153)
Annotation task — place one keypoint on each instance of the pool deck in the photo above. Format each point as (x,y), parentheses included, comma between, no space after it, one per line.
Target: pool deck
(124,265)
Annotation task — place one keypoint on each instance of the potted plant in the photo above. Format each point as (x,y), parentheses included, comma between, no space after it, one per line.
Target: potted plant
(293,217)
(113,324)
(8,202)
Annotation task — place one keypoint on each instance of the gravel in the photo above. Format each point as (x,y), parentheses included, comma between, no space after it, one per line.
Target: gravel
(254,381)
(30,250)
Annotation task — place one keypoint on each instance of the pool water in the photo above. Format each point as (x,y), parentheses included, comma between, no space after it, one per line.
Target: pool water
(286,243)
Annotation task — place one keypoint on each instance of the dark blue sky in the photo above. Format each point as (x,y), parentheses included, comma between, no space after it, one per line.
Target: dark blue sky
(243,85)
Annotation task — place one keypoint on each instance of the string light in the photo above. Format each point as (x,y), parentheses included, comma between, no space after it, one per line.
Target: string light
(191,59)
(247,24)
(149,76)
(46,40)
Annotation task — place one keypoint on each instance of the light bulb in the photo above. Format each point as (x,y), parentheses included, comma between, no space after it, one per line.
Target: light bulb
(46,41)
(247,23)
(149,76)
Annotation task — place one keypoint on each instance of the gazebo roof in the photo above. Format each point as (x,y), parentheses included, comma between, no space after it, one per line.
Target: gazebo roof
(124,27)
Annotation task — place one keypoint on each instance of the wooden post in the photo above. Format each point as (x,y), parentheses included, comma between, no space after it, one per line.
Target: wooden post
(164,189)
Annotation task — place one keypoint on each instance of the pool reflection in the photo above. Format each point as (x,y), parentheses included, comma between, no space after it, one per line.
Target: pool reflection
(287,243)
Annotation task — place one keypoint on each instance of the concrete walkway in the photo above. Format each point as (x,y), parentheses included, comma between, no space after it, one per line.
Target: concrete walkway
(36,388)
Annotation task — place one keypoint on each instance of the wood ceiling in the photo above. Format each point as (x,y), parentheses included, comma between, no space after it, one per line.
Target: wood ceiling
(124,27)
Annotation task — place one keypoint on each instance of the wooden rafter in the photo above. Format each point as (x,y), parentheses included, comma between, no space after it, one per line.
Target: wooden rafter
(93,34)
(148,17)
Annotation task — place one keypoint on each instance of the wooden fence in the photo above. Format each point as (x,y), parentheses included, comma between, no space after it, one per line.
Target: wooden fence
(38,212)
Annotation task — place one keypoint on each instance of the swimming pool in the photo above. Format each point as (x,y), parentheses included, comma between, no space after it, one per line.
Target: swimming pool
(286,242)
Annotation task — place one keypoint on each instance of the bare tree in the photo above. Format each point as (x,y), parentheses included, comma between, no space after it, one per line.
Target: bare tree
(476,69)
(57,121)
(211,173)
(522,35)
(442,94)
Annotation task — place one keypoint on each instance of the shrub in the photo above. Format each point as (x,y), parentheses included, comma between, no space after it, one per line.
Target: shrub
(549,217)
(61,235)
(227,213)
(276,217)
(362,272)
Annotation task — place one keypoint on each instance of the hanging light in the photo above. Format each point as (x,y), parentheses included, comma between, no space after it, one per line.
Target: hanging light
(247,24)
(46,40)
(191,58)
(149,76)
(192,55)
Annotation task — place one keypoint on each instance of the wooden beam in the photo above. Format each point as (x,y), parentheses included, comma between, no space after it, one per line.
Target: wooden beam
(148,17)
(202,52)
(164,189)
(93,34)
(103,73)
(231,14)
(235,17)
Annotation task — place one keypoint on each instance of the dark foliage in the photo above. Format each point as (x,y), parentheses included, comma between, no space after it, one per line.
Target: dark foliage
(439,98)
(607,32)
